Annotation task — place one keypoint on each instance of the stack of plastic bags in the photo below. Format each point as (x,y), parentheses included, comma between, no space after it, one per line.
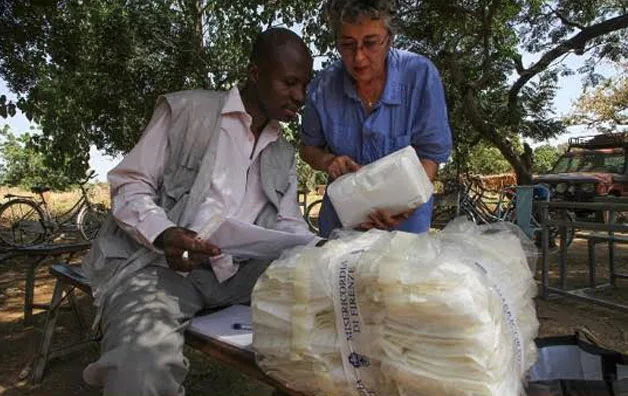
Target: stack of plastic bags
(391,313)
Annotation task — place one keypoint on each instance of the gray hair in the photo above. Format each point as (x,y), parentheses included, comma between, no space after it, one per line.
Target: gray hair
(350,11)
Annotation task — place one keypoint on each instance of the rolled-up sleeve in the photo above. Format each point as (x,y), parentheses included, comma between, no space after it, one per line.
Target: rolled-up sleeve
(431,136)
(136,179)
(311,129)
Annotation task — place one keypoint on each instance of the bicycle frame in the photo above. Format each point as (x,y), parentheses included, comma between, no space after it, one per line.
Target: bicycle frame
(540,192)
(28,220)
(52,222)
(474,207)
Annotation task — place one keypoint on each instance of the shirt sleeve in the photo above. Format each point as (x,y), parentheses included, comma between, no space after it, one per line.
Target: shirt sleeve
(136,179)
(289,217)
(311,129)
(431,136)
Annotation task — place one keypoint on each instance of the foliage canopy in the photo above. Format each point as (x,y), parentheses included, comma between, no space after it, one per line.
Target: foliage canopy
(89,72)
(604,108)
(22,165)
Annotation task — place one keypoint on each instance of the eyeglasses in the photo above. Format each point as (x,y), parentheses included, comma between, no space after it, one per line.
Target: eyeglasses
(371,45)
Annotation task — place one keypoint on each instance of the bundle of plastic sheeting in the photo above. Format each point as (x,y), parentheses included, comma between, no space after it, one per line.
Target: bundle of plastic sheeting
(392,313)
(396,182)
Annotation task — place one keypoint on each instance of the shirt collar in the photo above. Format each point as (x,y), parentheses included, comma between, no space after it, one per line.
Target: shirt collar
(234,106)
(391,94)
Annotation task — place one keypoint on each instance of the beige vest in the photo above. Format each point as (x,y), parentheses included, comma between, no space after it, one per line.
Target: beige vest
(195,120)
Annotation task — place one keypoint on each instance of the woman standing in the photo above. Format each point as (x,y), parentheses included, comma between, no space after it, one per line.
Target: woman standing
(375,101)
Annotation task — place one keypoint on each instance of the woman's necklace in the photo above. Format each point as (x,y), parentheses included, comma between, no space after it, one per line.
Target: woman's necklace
(368,103)
(370,97)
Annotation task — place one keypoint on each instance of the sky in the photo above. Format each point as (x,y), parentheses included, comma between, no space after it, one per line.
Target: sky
(19,123)
(570,88)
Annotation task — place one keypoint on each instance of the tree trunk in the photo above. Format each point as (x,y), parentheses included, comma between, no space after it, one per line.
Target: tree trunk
(198,27)
(195,10)
(521,164)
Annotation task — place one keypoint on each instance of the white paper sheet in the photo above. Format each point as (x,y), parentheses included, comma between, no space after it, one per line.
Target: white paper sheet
(220,325)
(243,240)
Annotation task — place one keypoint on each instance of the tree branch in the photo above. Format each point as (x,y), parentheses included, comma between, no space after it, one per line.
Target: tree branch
(198,26)
(566,21)
(478,122)
(206,6)
(449,9)
(577,42)
(518,64)
(181,5)
(487,21)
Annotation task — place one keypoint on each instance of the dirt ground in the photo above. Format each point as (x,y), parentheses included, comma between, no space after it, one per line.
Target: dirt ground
(558,316)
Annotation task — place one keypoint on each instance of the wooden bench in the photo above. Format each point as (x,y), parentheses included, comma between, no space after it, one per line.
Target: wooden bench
(70,278)
(33,257)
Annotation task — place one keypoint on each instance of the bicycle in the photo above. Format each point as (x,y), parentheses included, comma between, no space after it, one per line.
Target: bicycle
(26,220)
(470,203)
(311,215)
(467,202)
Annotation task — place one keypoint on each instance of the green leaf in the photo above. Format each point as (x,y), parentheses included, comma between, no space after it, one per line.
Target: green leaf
(89,73)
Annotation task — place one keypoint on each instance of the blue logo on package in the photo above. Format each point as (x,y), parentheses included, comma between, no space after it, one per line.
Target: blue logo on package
(358,361)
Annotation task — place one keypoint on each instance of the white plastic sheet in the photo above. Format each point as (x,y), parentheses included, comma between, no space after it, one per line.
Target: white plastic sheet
(385,313)
(396,182)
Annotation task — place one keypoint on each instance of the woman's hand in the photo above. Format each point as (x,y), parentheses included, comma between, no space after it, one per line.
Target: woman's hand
(322,160)
(385,220)
(340,165)
(183,250)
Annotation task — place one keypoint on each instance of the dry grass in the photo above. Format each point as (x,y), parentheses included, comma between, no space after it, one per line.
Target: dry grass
(59,202)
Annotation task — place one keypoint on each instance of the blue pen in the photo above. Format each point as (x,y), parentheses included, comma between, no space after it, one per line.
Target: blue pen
(242,326)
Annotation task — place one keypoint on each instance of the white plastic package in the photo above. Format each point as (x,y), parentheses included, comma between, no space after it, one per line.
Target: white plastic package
(392,313)
(396,182)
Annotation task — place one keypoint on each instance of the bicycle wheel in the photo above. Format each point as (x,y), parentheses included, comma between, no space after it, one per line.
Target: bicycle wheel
(442,216)
(554,232)
(89,220)
(564,215)
(311,215)
(21,223)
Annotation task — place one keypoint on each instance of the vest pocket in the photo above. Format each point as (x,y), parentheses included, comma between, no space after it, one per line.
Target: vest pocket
(179,182)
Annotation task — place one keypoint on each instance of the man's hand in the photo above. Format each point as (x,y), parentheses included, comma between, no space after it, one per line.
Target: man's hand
(384,220)
(176,240)
(340,165)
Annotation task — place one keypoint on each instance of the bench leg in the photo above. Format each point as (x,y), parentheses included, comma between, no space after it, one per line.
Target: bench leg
(591,246)
(77,313)
(563,258)
(545,260)
(611,263)
(611,250)
(49,328)
(29,290)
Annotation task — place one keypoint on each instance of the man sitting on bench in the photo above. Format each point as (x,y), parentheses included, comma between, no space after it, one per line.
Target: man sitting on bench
(204,156)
